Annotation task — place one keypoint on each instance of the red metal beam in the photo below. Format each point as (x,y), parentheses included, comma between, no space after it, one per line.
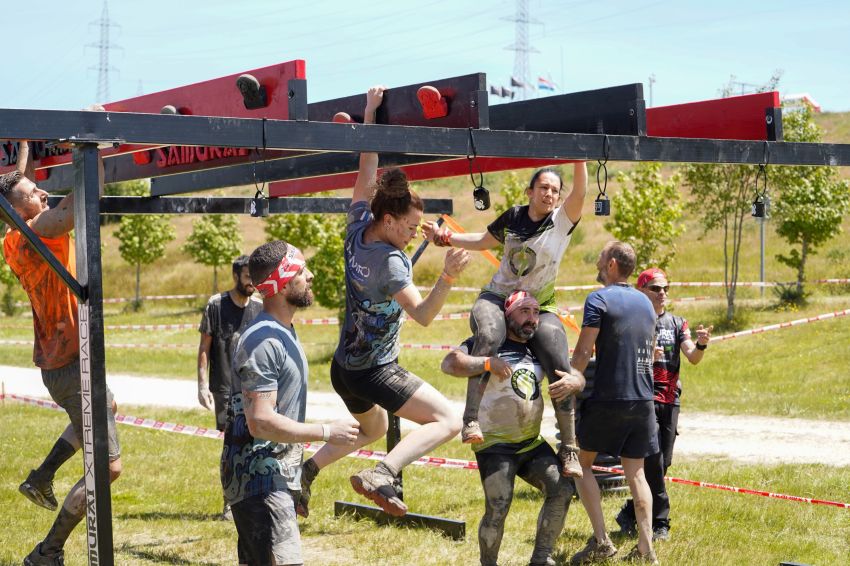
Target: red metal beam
(418,172)
(733,118)
(215,97)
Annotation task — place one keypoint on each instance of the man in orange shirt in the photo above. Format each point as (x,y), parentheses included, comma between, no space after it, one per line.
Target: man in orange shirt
(56,350)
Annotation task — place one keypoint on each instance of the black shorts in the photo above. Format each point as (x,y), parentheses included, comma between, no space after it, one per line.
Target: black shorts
(389,386)
(618,428)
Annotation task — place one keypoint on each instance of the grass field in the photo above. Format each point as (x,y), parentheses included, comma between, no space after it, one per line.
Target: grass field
(165,504)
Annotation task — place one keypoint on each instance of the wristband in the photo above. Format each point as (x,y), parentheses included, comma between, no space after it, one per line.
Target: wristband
(701,346)
(443,238)
(487,364)
(326,432)
(447,278)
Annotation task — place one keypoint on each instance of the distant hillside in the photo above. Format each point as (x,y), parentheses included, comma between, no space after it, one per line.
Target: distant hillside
(836,126)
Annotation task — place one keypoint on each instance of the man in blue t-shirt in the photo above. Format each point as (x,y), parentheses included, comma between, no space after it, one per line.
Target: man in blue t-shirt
(619,417)
(261,458)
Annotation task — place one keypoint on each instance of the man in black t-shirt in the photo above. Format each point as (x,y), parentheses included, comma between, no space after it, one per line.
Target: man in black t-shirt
(672,338)
(225,315)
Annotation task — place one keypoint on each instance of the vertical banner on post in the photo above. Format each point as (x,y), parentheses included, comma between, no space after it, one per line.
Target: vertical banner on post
(87,182)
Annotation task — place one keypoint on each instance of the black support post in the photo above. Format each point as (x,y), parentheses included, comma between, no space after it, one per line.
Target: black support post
(92,360)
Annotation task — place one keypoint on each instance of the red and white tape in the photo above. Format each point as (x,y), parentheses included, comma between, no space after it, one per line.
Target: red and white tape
(430,461)
(744,490)
(446,347)
(799,321)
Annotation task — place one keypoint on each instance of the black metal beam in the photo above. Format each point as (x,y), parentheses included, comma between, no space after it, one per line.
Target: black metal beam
(456,530)
(239,205)
(618,110)
(400,105)
(321,136)
(92,357)
(11,216)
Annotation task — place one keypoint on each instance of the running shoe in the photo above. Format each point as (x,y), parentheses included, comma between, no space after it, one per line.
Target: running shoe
(661,533)
(471,433)
(39,490)
(637,557)
(594,551)
(570,467)
(379,486)
(36,558)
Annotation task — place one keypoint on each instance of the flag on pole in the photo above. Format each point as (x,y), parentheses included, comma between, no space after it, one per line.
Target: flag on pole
(495,90)
(516,82)
(545,84)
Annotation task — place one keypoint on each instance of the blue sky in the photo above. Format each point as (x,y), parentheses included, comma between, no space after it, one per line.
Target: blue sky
(692,48)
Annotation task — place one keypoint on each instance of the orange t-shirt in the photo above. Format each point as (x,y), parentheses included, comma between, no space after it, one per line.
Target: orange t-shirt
(54,307)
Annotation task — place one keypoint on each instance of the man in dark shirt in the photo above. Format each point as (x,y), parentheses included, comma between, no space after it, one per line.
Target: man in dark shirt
(225,316)
(672,337)
(618,418)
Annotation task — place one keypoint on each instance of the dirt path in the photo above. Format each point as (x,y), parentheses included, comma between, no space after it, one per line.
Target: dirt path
(750,439)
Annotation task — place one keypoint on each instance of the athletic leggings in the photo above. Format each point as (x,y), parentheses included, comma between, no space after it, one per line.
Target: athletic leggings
(549,346)
(540,468)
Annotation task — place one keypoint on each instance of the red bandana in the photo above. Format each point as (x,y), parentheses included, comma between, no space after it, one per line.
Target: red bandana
(289,267)
(648,275)
(519,299)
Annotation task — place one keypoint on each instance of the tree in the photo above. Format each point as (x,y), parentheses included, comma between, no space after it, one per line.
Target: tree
(142,238)
(724,194)
(215,240)
(812,201)
(324,233)
(647,215)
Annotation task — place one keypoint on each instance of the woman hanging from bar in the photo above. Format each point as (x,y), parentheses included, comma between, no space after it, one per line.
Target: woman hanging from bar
(365,370)
(535,237)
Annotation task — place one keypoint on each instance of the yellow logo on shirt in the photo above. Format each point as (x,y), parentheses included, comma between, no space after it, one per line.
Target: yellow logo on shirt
(524,384)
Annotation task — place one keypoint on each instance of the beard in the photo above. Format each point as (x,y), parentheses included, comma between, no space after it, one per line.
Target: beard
(599,278)
(301,300)
(244,290)
(525,331)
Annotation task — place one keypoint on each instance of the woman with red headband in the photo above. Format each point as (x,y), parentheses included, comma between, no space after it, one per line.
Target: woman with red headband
(535,237)
(379,286)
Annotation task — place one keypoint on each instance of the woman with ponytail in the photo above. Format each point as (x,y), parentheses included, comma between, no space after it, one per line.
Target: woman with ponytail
(365,370)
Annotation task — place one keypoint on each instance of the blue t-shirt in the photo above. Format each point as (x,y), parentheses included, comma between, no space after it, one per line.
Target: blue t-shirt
(624,347)
(268,357)
(374,272)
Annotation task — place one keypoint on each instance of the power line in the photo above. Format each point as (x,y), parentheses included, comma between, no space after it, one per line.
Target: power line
(521,47)
(103,47)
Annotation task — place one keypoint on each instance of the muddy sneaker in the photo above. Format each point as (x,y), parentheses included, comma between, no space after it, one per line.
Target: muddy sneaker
(39,491)
(637,557)
(568,455)
(594,551)
(471,433)
(36,558)
(660,533)
(379,487)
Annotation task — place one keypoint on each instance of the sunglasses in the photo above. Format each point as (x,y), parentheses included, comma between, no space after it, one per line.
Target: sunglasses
(659,288)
